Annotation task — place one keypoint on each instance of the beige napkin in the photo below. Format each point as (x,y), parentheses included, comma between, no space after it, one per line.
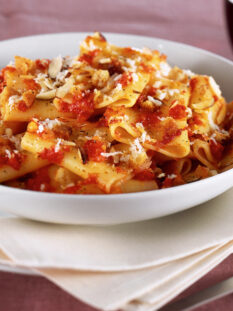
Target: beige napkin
(140,290)
(141,266)
(122,247)
(163,294)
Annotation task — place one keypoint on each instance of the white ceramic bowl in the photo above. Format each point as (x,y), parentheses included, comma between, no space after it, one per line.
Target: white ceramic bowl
(120,208)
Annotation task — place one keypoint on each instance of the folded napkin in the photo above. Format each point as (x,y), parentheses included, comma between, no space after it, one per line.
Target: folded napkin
(140,266)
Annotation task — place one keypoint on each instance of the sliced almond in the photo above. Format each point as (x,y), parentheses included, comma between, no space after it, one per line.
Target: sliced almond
(55,67)
(64,89)
(46,95)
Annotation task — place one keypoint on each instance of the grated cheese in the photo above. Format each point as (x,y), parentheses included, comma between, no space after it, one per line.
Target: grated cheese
(165,68)
(105,61)
(189,73)
(161,175)
(58,144)
(157,84)
(157,102)
(131,62)
(161,94)
(137,50)
(161,118)
(173,91)
(16,140)
(190,112)
(13,100)
(8,153)
(42,187)
(172,176)
(118,87)
(135,77)
(136,148)
(110,154)
(139,126)
(144,137)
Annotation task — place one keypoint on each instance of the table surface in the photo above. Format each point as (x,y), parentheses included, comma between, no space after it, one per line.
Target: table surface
(198,23)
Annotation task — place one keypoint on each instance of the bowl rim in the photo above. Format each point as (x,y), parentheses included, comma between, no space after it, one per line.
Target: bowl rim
(158,192)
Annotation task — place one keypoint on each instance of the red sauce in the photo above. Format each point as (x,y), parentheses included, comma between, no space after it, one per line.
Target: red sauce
(178,112)
(2,83)
(193,83)
(72,189)
(147,68)
(170,135)
(21,105)
(88,57)
(167,183)
(82,106)
(2,76)
(190,132)
(149,119)
(146,174)
(125,79)
(109,112)
(42,64)
(121,170)
(103,122)
(40,181)
(8,68)
(32,85)
(171,182)
(92,179)
(15,161)
(51,155)
(94,148)
(196,120)
(216,150)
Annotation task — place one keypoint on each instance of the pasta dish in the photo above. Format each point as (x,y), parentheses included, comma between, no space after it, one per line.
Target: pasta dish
(110,120)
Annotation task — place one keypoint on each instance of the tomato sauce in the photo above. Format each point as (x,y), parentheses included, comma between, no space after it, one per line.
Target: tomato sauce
(125,79)
(8,68)
(32,85)
(88,57)
(93,149)
(146,68)
(170,135)
(92,179)
(21,105)
(82,106)
(171,182)
(2,83)
(216,150)
(42,64)
(144,175)
(51,155)
(103,122)
(14,161)
(40,181)
(149,119)
(178,112)
(196,120)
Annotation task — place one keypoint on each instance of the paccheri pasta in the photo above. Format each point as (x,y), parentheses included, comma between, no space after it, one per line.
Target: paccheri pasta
(110,120)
